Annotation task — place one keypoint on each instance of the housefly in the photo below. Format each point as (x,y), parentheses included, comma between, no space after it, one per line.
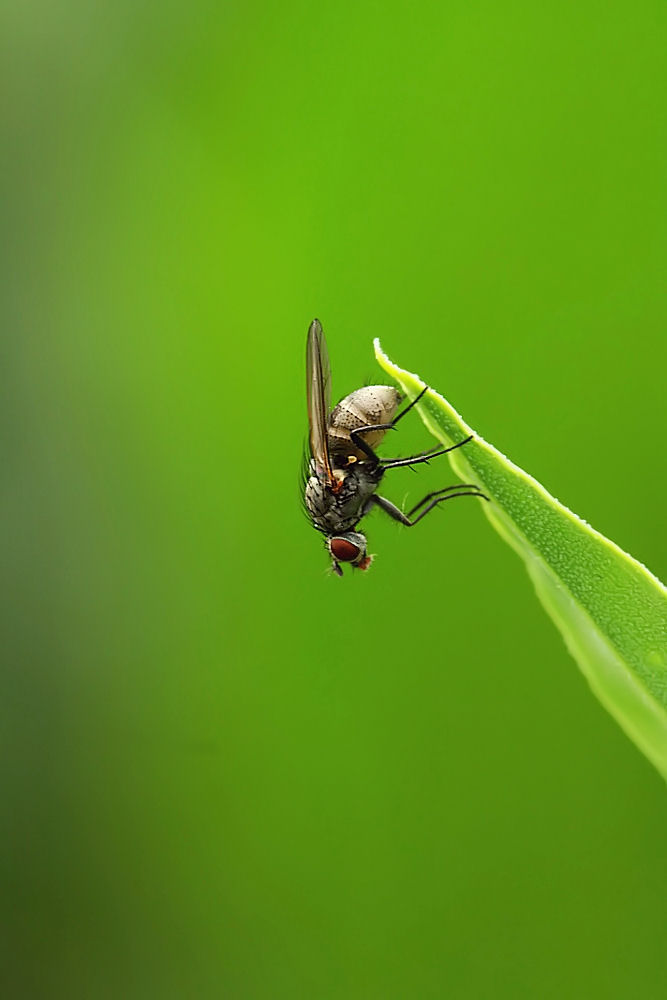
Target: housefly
(344,471)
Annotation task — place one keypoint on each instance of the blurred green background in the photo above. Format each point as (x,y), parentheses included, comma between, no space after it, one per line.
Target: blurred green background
(226,773)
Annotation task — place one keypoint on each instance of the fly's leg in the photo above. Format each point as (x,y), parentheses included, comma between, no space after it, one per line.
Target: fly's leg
(470,490)
(397,463)
(426,456)
(422,456)
(431,501)
(409,406)
(364,446)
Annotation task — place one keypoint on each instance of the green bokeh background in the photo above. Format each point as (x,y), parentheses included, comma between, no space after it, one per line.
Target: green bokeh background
(226,773)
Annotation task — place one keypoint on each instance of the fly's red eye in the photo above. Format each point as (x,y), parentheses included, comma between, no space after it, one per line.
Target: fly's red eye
(344,551)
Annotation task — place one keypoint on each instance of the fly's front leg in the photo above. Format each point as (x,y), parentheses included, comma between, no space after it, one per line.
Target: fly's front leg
(464,489)
(389,508)
(431,501)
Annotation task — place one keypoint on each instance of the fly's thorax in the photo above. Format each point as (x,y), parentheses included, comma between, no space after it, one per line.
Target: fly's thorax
(373,404)
(338,510)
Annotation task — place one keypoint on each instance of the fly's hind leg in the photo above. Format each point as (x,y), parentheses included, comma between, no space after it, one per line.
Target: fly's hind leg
(359,442)
(430,501)
(397,463)
(364,446)
(409,406)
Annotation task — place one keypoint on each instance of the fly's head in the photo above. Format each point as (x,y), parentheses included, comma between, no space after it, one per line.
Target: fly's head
(349,547)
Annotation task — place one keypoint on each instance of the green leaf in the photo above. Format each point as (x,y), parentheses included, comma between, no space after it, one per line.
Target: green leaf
(611,610)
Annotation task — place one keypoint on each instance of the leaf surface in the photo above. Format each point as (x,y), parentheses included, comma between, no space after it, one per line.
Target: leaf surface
(611,611)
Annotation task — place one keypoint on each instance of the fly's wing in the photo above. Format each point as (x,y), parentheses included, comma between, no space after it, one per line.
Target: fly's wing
(318,379)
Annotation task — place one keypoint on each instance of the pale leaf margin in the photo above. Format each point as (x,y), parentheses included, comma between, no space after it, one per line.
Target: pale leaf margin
(610,609)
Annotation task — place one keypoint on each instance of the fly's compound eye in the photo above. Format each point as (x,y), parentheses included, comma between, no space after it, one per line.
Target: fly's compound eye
(349,548)
(344,550)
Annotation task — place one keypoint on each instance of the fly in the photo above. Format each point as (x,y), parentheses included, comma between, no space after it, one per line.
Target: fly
(344,471)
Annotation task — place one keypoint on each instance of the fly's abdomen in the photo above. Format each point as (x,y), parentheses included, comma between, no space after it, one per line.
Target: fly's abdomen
(374,404)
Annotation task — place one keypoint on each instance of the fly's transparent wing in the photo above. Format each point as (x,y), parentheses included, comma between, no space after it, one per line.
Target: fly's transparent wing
(318,378)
